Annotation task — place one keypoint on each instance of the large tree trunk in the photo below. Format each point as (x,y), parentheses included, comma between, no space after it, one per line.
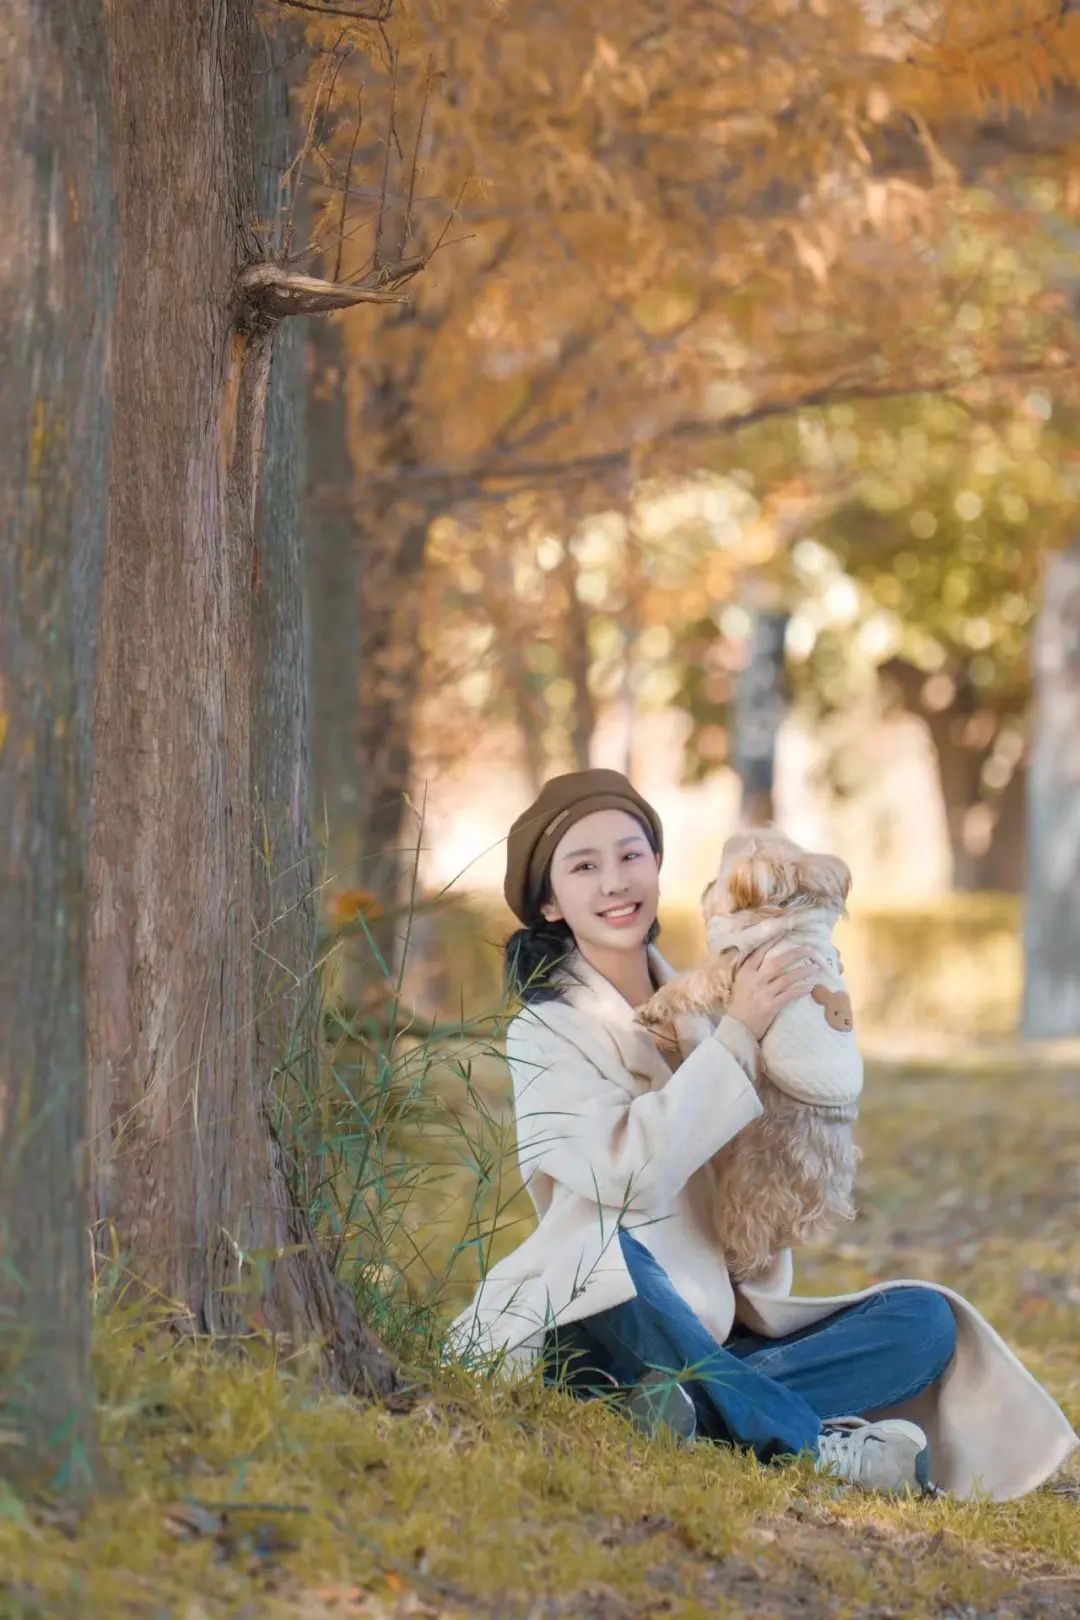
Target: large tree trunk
(191,1173)
(56,305)
(1052,930)
(332,568)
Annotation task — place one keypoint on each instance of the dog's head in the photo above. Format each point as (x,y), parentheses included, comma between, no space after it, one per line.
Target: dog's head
(762,870)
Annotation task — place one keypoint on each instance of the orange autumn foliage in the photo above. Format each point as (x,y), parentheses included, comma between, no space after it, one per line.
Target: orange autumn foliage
(650,228)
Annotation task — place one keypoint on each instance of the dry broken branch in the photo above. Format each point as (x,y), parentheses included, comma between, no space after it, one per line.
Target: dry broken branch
(271,291)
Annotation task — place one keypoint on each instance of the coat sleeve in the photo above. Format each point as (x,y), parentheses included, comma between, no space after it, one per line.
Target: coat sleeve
(578,1125)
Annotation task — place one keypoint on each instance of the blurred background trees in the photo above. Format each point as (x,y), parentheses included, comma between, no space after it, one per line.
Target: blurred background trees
(741,385)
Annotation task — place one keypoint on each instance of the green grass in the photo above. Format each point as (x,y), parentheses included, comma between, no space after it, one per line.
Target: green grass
(234,1488)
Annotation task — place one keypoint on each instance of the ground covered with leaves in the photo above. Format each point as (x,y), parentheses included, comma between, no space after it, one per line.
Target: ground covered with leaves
(232,1489)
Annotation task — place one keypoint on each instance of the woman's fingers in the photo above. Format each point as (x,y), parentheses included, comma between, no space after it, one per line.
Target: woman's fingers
(755,962)
(795,961)
(792,992)
(797,970)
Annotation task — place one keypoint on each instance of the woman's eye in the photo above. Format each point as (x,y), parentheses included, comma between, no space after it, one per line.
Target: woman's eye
(631,855)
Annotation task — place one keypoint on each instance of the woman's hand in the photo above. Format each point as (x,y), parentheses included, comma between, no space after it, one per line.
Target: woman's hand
(761,988)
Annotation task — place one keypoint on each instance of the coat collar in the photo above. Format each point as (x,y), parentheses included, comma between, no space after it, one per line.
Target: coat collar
(590,992)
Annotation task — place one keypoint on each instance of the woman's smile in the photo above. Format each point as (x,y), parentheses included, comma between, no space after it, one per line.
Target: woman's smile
(622,914)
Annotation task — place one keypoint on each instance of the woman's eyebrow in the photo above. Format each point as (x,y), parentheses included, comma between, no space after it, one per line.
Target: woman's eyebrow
(634,838)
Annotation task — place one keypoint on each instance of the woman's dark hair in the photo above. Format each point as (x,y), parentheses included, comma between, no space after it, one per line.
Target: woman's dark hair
(532,955)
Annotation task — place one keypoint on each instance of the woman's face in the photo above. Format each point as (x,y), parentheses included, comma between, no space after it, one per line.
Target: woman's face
(605,881)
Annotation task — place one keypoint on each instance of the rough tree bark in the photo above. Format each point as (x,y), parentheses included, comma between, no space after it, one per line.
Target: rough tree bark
(192,1175)
(284,875)
(56,299)
(1052,926)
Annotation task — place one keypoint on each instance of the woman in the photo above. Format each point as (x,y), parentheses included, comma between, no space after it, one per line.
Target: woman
(624,1280)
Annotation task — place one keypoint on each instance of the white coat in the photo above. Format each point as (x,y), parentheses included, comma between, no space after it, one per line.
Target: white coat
(607,1132)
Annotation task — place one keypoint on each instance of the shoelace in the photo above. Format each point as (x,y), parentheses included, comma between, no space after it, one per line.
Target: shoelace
(842,1442)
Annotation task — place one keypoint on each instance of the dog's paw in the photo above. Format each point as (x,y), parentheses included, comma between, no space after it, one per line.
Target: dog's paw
(653,1014)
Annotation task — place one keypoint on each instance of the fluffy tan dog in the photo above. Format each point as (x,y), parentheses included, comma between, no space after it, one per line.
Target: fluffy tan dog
(788,1176)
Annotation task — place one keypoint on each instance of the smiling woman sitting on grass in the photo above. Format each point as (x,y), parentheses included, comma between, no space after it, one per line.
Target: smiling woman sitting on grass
(623,1283)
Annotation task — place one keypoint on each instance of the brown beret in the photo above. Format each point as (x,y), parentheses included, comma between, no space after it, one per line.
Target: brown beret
(563,800)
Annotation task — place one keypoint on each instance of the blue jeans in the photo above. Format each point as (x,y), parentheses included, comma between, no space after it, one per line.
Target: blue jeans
(770,1396)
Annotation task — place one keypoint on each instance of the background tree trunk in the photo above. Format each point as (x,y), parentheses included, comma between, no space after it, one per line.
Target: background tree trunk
(391,564)
(192,1175)
(577,659)
(1003,865)
(56,303)
(986,832)
(1052,928)
(761,701)
(389,557)
(335,607)
(518,681)
(630,628)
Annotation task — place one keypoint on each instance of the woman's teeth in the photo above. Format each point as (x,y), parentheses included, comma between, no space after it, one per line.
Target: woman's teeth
(621,913)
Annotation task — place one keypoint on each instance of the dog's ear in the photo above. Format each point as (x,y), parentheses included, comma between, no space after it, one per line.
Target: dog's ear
(761,880)
(826,876)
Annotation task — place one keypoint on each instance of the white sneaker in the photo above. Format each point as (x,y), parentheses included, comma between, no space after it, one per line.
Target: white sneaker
(892,1455)
(658,1401)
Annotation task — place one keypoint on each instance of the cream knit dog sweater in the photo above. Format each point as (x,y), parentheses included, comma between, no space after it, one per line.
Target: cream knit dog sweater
(810,1050)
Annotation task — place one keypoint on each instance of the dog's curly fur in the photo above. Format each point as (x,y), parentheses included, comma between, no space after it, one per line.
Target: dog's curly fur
(786,1177)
